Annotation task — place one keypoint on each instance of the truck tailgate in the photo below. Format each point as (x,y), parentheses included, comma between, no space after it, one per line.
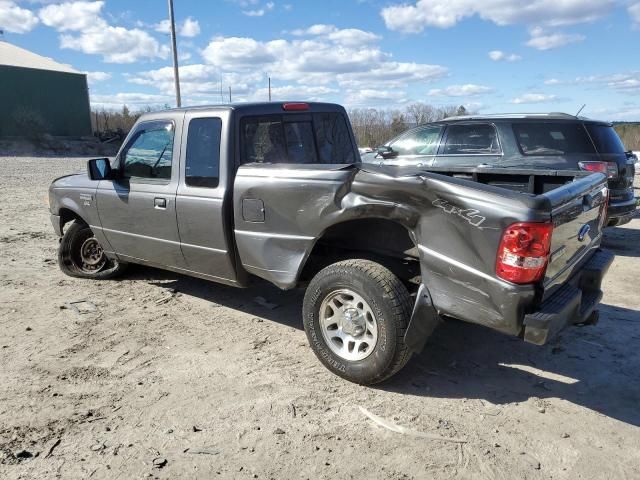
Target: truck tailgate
(578,211)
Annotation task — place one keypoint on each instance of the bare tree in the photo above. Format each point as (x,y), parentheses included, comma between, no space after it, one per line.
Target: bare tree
(373,127)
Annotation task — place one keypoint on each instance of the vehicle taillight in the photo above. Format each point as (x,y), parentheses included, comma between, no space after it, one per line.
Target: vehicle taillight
(610,169)
(295,107)
(524,252)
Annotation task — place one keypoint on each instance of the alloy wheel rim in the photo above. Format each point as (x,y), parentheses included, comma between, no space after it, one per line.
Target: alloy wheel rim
(348,324)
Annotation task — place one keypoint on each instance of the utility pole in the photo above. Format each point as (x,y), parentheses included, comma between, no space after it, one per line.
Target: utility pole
(269,88)
(229,93)
(176,76)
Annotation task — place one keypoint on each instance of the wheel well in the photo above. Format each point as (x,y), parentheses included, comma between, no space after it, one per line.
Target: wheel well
(383,241)
(67,215)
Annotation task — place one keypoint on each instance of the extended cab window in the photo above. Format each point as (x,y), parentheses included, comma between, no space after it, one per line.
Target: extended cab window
(548,138)
(422,141)
(149,152)
(202,165)
(472,139)
(308,138)
(605,138)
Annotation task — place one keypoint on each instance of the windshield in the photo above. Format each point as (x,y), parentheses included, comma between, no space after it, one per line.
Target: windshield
(552,138)
(606,139)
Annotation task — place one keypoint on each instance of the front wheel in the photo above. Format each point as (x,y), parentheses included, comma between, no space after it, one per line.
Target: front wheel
(355,315)
(81,255)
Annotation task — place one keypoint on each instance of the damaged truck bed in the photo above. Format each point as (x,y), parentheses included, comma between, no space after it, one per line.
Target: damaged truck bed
(385,253)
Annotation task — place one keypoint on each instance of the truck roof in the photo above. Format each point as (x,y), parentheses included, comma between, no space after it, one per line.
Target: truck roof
(260,107)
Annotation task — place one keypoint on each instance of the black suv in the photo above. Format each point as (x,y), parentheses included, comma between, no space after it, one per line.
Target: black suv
(547,141)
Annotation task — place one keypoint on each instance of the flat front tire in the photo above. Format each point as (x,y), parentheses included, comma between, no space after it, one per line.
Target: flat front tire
(355,315)
(81,255)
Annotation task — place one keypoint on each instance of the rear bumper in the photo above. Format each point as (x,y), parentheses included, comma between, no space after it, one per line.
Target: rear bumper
(620,212)
(573,303)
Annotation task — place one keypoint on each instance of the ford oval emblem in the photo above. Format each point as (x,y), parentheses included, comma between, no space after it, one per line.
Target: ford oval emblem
(583,232)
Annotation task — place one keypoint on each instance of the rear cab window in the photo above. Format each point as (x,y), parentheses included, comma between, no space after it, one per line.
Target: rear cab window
(306,138)
(202,164)
(471,139)
(549,138)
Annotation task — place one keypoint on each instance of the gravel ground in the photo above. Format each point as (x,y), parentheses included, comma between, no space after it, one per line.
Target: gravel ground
(161,375)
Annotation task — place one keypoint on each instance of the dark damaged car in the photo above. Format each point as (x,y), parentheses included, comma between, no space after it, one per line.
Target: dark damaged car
(239,193)
(547,141)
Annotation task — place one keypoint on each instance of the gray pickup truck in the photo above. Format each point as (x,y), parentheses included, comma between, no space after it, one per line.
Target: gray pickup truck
(276,191)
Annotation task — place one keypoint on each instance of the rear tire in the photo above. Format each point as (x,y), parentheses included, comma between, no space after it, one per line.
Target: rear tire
(355,315)
(81,255)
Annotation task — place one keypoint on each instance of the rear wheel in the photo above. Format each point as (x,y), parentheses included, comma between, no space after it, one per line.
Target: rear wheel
(355,315)
(81,255)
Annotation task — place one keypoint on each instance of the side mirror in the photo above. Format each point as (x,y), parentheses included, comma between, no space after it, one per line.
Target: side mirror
(386,152)
(99,169)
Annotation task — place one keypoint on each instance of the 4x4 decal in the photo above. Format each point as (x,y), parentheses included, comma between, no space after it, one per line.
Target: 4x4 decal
(469,214)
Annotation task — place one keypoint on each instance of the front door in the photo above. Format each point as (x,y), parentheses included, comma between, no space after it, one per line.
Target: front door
(138,208)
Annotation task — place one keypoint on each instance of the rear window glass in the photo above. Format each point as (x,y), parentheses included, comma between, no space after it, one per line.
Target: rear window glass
(308,138)
(552,138)
(471,140)
(606,139)
(202,167)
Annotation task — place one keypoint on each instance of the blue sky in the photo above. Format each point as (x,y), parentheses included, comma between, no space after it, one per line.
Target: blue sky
(490,55)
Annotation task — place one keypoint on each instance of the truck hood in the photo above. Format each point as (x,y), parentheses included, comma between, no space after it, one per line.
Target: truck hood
(80,179)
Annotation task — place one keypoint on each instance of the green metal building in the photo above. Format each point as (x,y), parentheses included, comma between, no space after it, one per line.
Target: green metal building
(39,95)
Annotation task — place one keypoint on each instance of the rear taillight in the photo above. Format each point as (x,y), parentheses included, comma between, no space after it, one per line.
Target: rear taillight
(524,252)
(610,169)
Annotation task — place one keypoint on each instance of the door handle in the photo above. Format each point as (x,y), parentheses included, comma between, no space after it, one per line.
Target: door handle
(160,203)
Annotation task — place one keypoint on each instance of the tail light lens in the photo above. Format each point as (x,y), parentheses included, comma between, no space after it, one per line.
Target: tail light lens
(610,169)
(524,252)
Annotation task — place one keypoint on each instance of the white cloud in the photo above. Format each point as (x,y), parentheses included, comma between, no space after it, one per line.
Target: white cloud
(188,28)
(116,44)
(634,12)
(543,40)
(628,83)
(500,56)
(259,12)
(73,16)
(416,16)
(95,77)
(117,100)
(15,19)
(534,98)
(292,92)
(371,97)
(93,35)
(347,36)
(195,81)
(326,66)
(467,90)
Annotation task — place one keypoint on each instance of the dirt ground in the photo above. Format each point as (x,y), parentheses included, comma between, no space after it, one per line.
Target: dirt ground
(161,375)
